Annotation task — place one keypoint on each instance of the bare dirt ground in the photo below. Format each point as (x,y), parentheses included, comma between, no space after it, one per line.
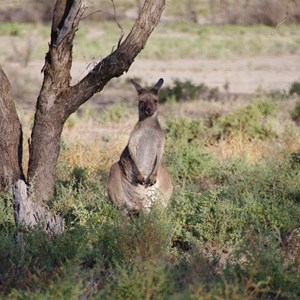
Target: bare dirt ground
(243,76)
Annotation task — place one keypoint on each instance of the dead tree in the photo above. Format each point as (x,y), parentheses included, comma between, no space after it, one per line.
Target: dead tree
(58,99)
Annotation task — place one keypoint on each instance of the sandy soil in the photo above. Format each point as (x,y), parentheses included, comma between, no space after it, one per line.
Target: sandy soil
(243,75)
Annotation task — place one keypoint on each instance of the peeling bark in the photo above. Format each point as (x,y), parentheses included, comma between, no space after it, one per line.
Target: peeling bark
(29,214)
(11,137)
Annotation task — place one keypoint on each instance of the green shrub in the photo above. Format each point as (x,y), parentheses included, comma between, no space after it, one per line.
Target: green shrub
(295,113)
(206,218)
(295,160)
(214,93)
(114,113)
(183,129)
(83,203)
(136,250)
(145,281)
(295,88)
(187,158)
(143,239)
(79,175)
(34,260)
(186,155)
(181,91)
(264,195)
(251,121)
(263,262)
(237,195)
(190,163)
(6,210)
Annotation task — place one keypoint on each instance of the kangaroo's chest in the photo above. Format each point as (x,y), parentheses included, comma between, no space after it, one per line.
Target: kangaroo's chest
(145,146)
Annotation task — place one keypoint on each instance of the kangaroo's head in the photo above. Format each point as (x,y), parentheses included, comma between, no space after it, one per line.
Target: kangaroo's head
(147,99)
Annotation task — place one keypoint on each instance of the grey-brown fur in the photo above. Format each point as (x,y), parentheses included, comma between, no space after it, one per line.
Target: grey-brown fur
(139,178)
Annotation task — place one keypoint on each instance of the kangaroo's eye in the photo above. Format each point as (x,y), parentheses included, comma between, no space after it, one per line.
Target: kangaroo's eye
(155,100)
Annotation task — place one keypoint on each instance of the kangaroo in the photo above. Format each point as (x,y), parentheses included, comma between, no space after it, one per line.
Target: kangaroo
(139,178)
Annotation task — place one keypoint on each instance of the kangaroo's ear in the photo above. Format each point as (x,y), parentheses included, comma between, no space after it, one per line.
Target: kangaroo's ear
(158,85)
(138,88)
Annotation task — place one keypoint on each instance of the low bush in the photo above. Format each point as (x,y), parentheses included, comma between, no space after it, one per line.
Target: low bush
(184,130)
(295,88)
(182,91)
(114,113)
(295,113)
(252,121)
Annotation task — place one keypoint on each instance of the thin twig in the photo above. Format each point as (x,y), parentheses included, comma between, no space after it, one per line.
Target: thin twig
(95,12)
(287,14)
(118,23)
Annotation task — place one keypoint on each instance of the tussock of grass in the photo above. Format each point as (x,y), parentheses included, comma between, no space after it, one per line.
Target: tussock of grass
(239,147)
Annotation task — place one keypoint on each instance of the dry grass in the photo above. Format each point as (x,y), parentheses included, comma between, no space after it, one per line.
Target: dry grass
(238,147)
(93,155)
(92,145)
(255,150)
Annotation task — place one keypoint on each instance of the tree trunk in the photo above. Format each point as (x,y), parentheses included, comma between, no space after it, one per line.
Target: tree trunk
(11,137)
(43,155)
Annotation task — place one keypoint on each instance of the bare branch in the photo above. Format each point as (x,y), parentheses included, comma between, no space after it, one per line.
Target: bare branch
(118,23)
(119,60)
(93,13)
(287,14)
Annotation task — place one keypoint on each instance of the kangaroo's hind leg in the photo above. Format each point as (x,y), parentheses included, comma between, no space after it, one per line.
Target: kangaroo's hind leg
(121,192)
(114,185)
(164,184)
